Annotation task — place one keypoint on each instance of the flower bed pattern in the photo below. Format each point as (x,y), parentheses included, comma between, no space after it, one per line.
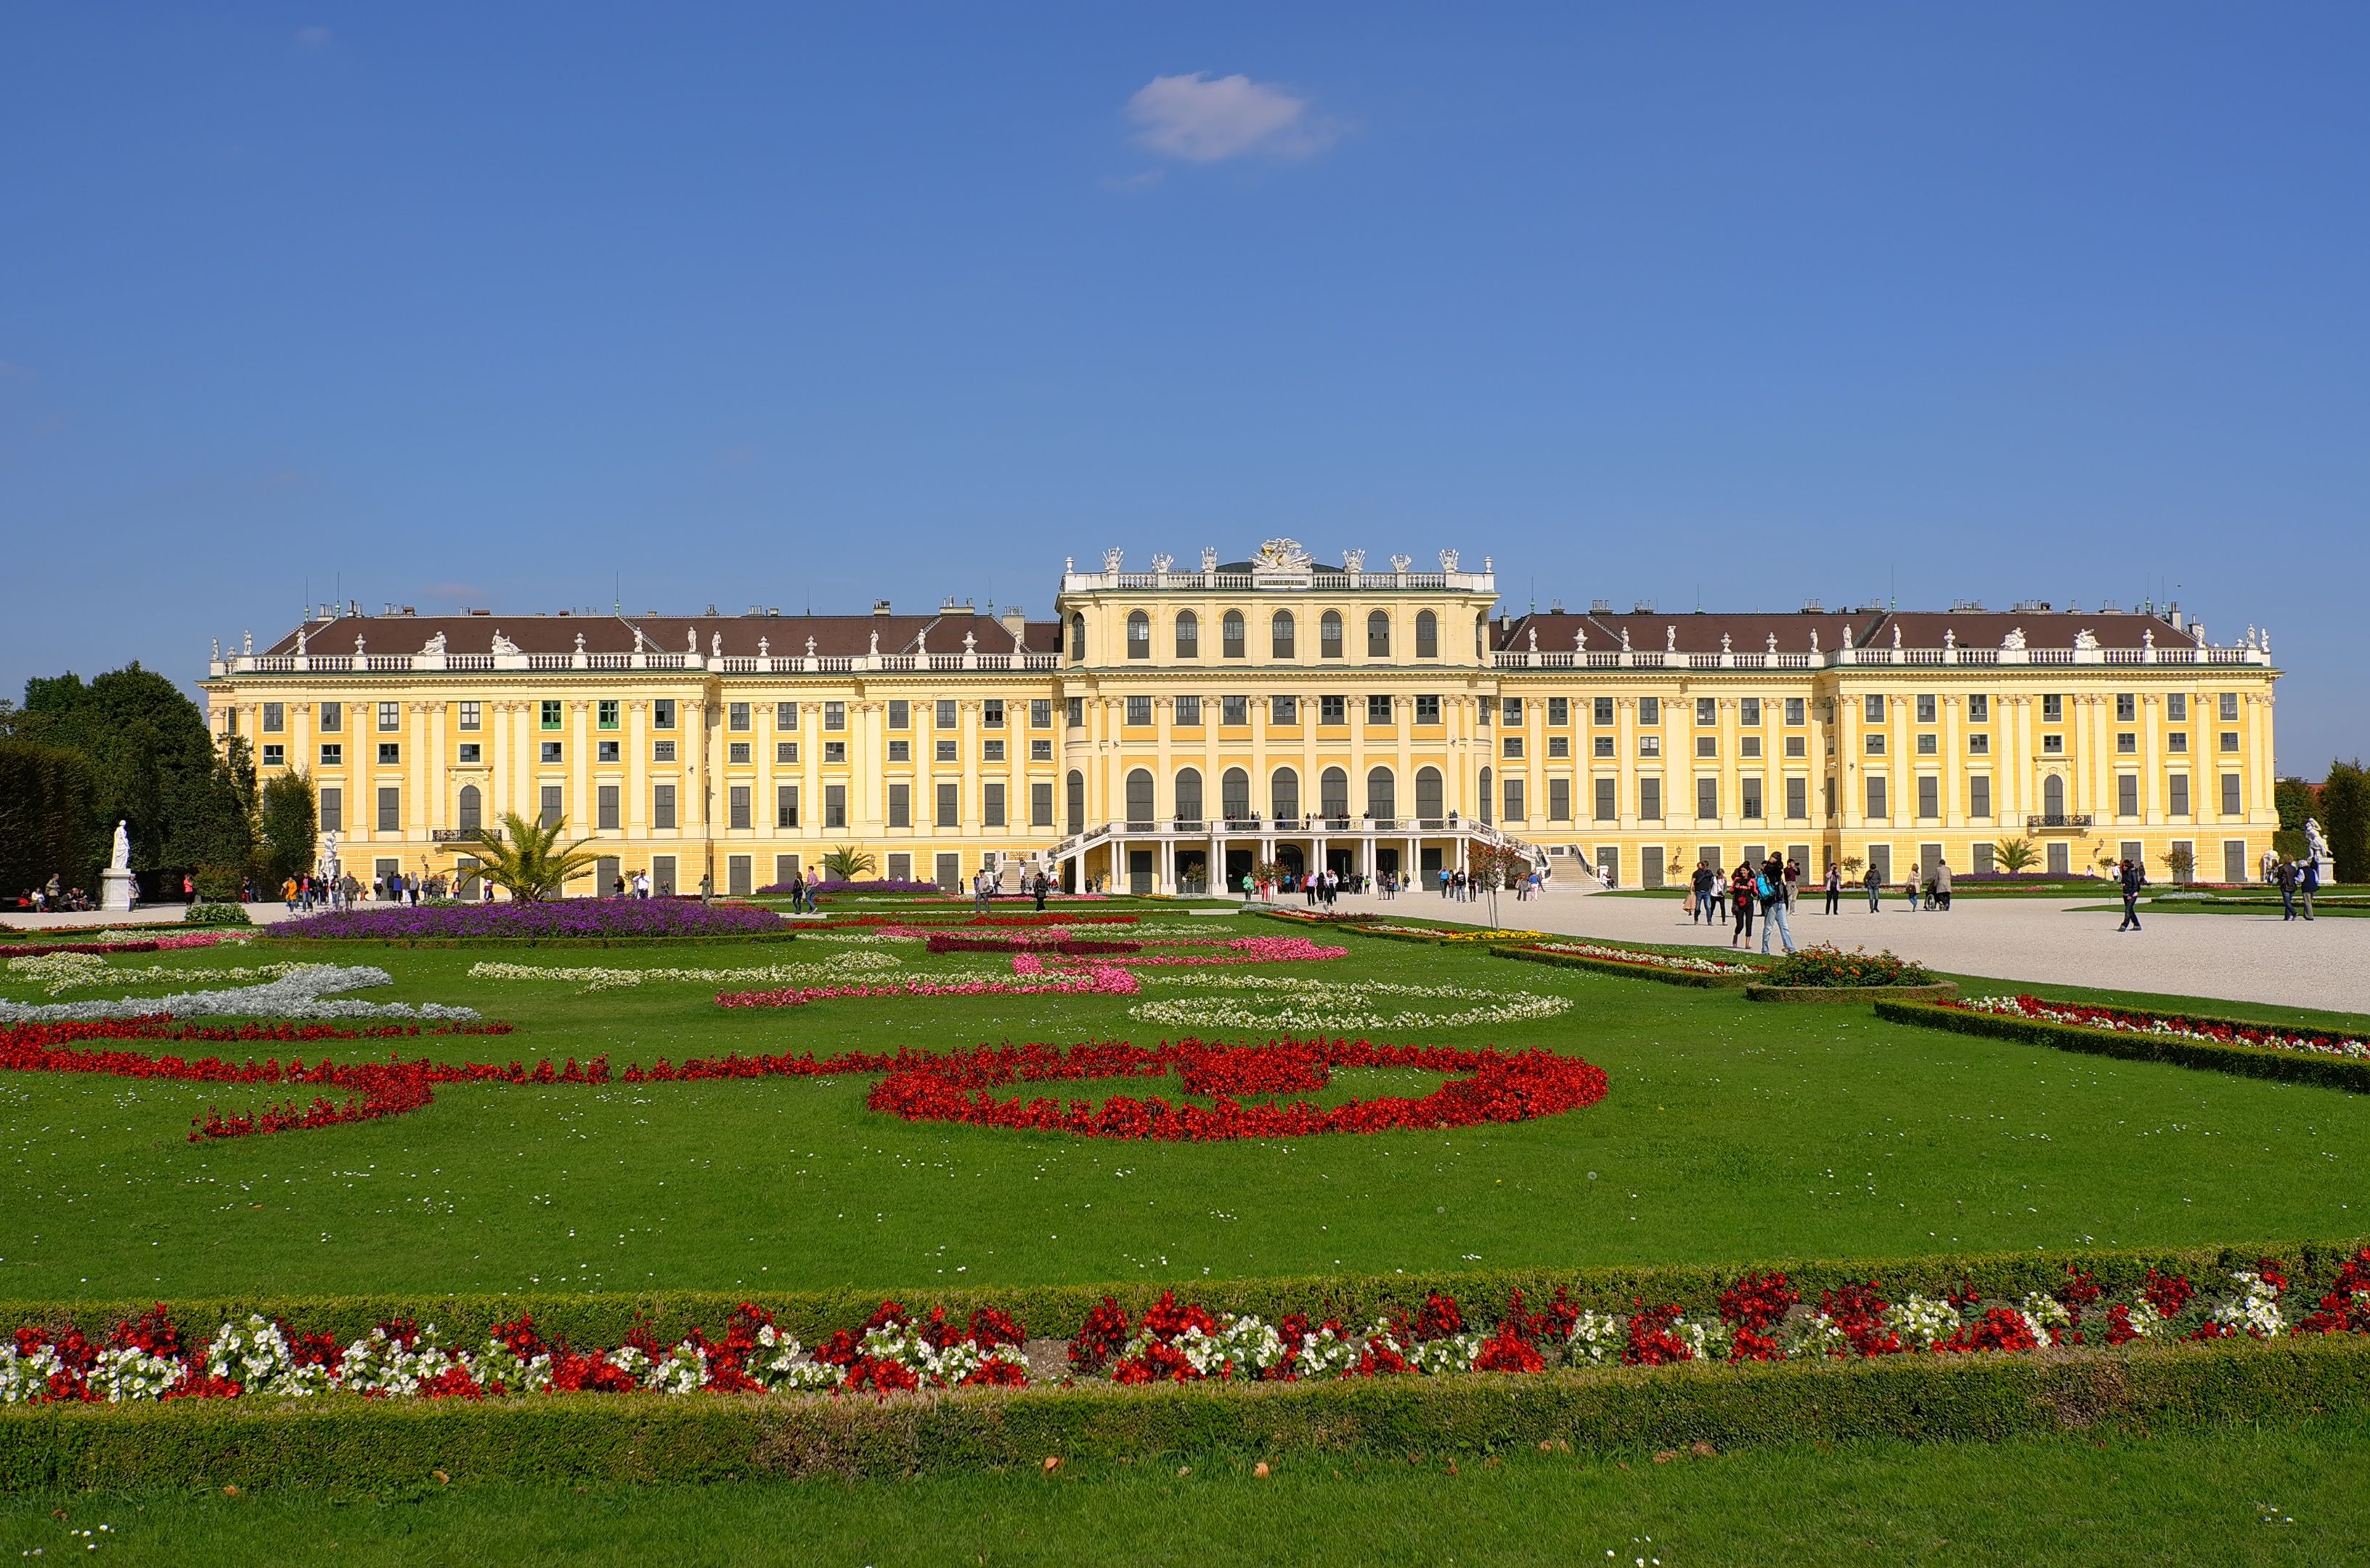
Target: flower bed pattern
(77,970)
(566,918)
(2168,1026)
(1684,968)
(130,944)
(1757,1319)
(304,991)
(593,977)
(1304,1005)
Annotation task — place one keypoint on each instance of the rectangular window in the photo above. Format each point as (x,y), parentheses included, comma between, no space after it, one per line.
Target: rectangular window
(333,810)
(1378,707)
(333,717)
(1078,713)
(1139,710)
(1875,802)
(1600,711)
(1515,802)
(390,810)
(1979,797)
(737,803)
(2177,742)
(786,751)
(662,750)
(834,750)
(1558,800)
(786,805)
(1040,713)
(2127,743)
(2233,861)
(390,715)
(944,752)
(1511,710)
(1514,746)
(275,717)
(1234,710)
(1797,746)
(1929,745)
(900,751)
(333,755)
(1650,746)
(1985,864)
(2127,708)
(834,716)
(1875,739)
(1748,746)
(949,805)
(1925,708)
(275,755)
(1649,710)
(1605,808)
(2177,794)
(605,805)
(901,868)
(2127,795)
(1558,745)
(2052,709)
(551,752)
(1427,710)
(991,713)
(1707,745)
(662,806)
(390,753)
(1332,710)
(662,874)
(991,806)
(786,716)
(1041,751)
(1707,800)
(901,806)
(1189,713)
(1929,798)
(1979,709)
(834,806)
(1979,745)
(552,713)
(2053,746)
(1798,800)
(606,711)
(551,808)
(1872,708)
(1559,710)
(1748,712)
(900,714)
(607,751)
(1751,791)
(1794,710)
(2176,707)
(736,875)
(992,751)
(1603,746)
(1707,711)
(1649,801)
(945,716)
(736,715)
(1041,805)
(2230,741)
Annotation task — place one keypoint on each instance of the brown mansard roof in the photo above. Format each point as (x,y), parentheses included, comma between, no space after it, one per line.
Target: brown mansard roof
(1700,632)
(785,635)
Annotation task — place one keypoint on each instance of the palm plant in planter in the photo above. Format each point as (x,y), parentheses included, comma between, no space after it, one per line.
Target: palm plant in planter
(527,857)
(847,864)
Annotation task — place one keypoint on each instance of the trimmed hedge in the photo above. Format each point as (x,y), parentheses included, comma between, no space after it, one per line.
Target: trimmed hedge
(2246,1062)
(508,943)
(1940,990)
(345,1441)
(1056,1310)
(1628,971)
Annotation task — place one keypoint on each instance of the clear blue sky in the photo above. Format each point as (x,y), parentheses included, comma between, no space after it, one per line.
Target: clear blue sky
(807,306)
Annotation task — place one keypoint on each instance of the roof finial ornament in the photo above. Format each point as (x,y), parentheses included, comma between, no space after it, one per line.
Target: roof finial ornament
(970,642)
(1400,564)
(579,641)
(1950,637)
(358,645)
(217,648)
(763,646)
(810,647)
(1772,642)
(1724,642)
(1487,563)
(1162,563)
(1448,560)
(1209,559)
(1580,639)
(2148,637)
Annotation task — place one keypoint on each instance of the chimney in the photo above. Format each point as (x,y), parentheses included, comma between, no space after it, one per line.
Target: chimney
(1016,621)
(881,607)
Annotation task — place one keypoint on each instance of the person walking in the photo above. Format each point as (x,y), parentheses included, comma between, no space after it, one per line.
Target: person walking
(1794,884)
(1874,882)
(2309,883)
(2284,876)
(1942,885)
(1740,896)
(1769,888)
(2132,880)
(1834,889)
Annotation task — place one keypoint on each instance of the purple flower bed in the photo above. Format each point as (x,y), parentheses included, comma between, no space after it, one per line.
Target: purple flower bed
(570,917)
(782,890)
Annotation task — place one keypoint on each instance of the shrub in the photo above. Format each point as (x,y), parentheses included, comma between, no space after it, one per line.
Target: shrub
(204,913)
(1829,965)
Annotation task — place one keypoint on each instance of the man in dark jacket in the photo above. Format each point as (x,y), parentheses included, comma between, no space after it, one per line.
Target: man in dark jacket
(2132,880)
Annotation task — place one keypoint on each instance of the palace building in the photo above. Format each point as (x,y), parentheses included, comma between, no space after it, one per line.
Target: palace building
(1169,729)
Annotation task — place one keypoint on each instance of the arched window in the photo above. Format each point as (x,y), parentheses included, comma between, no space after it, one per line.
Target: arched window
(1234,795)
(1489,808)
(1077,637)
(1328,635)
(1280,635)
(1426,793)
(1481,636)
(1189,795)
(1285,794)
(1230,634)
(1382,795)
(1427,636)
(1139,798)
(472,813)
(1333,793)
(1077,802)
(1378,635)
(2053,795)
(1139,635)
(1189,634)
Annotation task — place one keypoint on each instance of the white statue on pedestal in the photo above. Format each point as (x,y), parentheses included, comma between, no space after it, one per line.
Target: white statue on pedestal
(2315,853)
(118,891)
(122,859)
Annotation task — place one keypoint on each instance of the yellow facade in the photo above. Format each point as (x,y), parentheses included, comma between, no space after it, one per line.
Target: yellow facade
(1169,729)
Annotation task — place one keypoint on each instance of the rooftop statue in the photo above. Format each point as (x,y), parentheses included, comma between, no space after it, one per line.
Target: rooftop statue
(2013,641)
(435,644)
(2085,638)
(1280,555)
(502,645)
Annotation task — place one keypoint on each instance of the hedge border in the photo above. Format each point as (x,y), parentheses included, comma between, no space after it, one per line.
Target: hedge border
(1940,990)
(1627,971)
(2245,1061)
(352,1442)
(1056,1310)
(510,942)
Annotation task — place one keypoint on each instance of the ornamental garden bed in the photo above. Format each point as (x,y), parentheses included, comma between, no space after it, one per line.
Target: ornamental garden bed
(1940,990)
(2197,1040)
(1635,963)
(577,922)
(1826,973)
(271,1395)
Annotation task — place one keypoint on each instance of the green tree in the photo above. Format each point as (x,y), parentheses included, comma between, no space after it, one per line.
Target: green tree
(847,864)
(527,858)
(2295,800)
(2345,818)
(46,823)
(153,764)
(2014,856)
(286,825)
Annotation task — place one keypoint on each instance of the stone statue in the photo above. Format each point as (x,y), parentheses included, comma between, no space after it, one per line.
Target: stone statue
(434,646)
(1814,638)
(1400,564)
(810,647)
(1353,560)
(2013,641)
(1814,635)
(2085,638)
(1111,559)
(300,642)
(579,641)
(1209,559)
(1670,639)
(1625,639)
(1897,633)
(1950,637)
(502,645)
(121,860)
(691,641)
(765,646)
(118,888)
(716,645)
(2316,850)
(1161,563)
(1773,641)
(971,641)
(1448,560)
(1580,639)
(874,650)
(1280,555)
(1724,642)
(1535,639)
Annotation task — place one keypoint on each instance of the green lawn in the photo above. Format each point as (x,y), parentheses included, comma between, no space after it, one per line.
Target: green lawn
(1731,1133)
(2233,1497)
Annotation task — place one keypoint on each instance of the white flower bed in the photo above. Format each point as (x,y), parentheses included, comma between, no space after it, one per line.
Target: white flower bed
(2255,1310)
(590,978)
(1646,960)
(1288,1002)
(76,971)
(301,993)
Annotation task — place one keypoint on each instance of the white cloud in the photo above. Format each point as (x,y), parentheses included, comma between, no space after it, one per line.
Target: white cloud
(1204,119)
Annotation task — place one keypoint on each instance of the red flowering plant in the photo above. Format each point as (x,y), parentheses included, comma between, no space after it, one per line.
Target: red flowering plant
(2173,1025)
(1751,1308)
(2346,1307)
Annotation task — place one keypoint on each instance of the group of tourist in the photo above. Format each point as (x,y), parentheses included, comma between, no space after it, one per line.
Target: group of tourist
(1768,889)
(2297,881)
